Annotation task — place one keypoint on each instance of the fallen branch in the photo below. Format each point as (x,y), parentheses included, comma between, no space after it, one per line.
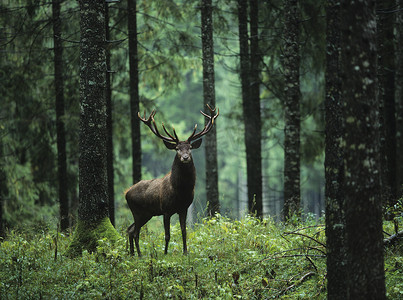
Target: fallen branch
(393,238)
(312,226)
(299,282)
(306,236)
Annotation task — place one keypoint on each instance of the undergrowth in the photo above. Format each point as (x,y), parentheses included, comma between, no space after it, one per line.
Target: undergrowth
(246,259)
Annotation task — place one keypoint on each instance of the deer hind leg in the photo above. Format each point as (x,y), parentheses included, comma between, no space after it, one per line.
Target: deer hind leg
(167,225)
(182,221)
(130,231)
(134,233)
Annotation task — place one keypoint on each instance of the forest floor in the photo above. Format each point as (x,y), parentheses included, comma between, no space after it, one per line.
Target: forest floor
(246,259)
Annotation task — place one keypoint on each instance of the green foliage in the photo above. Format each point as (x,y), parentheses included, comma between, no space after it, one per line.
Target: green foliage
(394,254)
(394,273)
(246,259)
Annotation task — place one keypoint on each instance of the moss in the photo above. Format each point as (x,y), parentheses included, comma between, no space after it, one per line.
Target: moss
(87,235)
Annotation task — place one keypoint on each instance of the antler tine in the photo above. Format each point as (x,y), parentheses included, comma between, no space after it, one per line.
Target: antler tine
(213,117)
(208,126)
(190,138)
(204,114)
(175,137)
(150,122)
(209,107)
(194,130)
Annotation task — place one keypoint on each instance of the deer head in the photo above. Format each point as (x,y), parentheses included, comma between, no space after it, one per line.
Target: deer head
(172,142)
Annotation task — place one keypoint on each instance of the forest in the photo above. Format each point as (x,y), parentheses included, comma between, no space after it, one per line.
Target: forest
(299,176)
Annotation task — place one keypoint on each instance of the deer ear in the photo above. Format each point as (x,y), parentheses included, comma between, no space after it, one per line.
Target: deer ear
(196,144)
(169,145)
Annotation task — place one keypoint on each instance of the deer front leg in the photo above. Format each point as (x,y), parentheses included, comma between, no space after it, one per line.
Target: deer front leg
(182,221)
(167,225)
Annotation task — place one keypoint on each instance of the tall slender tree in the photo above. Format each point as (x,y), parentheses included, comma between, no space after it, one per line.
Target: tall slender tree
(3,178)
(292,115)
(364,239)
(134,90)
(60,130)
(3,192)
(334,165)
(109,123)
(251,115)
(255,129)
(93,220)
(210,140)
(399,98)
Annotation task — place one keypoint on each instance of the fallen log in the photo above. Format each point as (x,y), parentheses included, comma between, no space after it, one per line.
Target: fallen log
(393,238)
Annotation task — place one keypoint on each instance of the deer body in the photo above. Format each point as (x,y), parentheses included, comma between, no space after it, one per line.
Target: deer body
(168,195)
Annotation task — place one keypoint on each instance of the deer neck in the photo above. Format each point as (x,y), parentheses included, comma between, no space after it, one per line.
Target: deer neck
(183,175)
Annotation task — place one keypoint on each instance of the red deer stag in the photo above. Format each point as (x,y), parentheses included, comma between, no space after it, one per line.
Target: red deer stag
(174,192)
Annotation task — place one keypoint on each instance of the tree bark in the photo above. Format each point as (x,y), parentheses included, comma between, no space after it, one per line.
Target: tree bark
(365,258)
(399,98)
(109,124)
(291,63)
(210,140)
(134,90)
(93,220)
(60,130)
(334,165)
(3,193)
(386,77)
(251,117)
(254,118)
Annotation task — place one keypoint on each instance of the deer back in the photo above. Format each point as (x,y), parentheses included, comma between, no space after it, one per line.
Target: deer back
(145,196)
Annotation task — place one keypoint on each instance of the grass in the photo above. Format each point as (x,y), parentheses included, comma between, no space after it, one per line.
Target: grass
(246,259)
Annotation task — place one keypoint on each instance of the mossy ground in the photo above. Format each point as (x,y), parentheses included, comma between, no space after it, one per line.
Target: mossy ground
(87,236)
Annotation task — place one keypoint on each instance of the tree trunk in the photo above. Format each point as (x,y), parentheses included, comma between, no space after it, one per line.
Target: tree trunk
(386,76)
(251,117)
(93,220)
(291,64)
(209,99)
(254,117)
(399,98)
(109,124)
(3,193)
(334,165)
(365,258)
(134,90)
(61,134)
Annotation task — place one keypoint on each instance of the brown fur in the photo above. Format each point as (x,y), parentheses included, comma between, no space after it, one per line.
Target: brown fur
(164,196)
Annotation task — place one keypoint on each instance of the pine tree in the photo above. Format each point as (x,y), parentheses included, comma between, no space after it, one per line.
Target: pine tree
(134,90)
(251,116)
(364,238)
(61,134)
(109,123)
(93,218)
(386,78)
(399,98)
(291,63)
(210,140)
(334,165)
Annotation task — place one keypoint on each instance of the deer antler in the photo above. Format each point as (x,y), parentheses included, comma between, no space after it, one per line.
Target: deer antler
(207,127)
(150,122)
